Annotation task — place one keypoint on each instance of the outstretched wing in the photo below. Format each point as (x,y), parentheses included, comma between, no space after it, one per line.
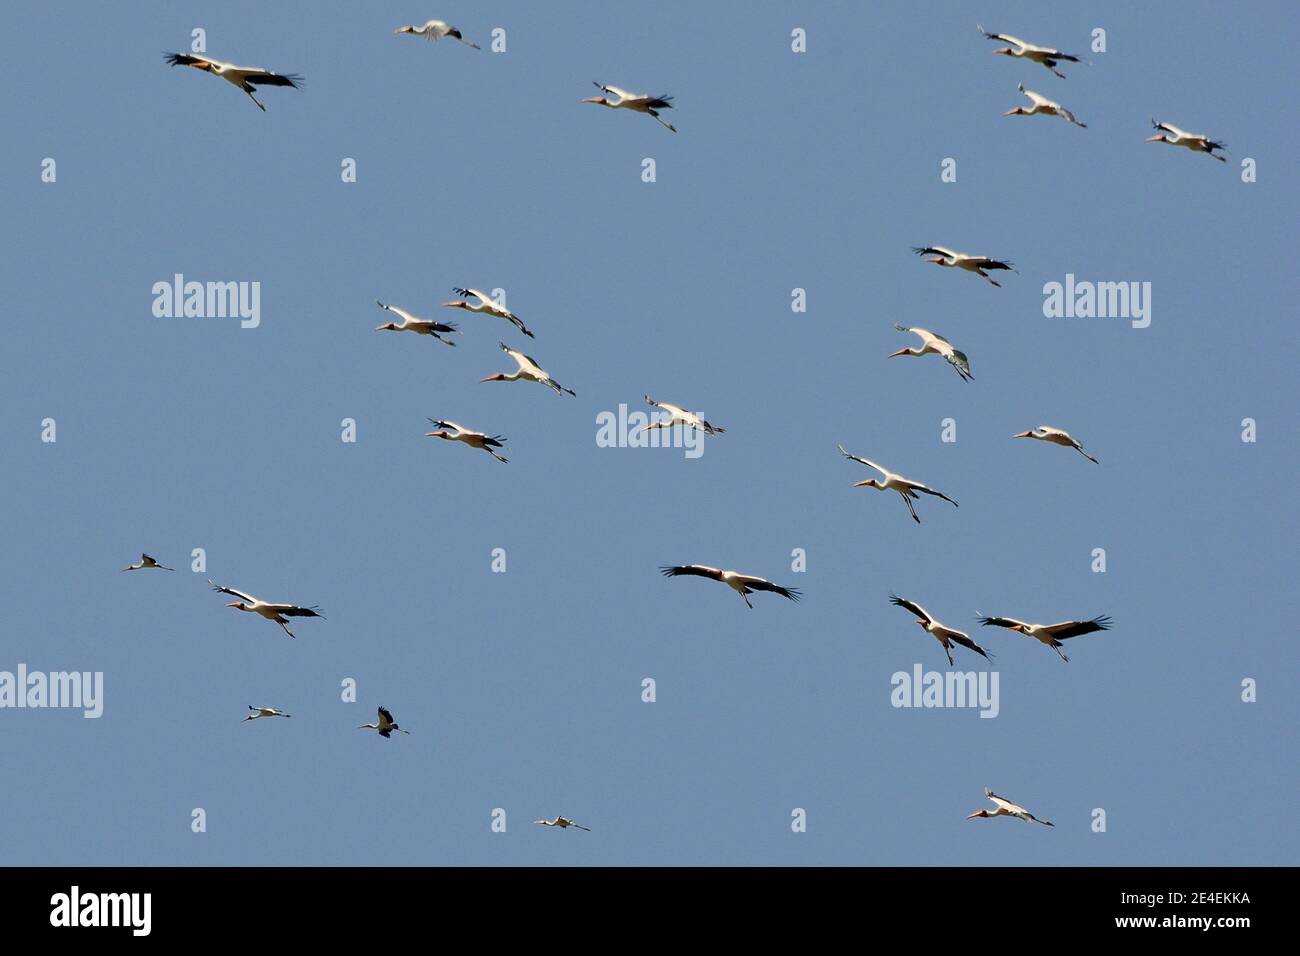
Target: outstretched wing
(861,461)
(1068,629)
(916,486)
(698,570)
(292,610)
(185,59)
(267,78)
(1010,622)
(239,594)
(960,638)
(758,584)
(910,606)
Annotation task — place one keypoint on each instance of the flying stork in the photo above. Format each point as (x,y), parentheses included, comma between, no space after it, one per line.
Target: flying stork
(1038,54)
(905,487)
(680,416)
(563,823)
(264,712)
(1197,143)
(467,436)
(1007,809)
(742,584)
(1056,436)
(485,306)
(146,562)
(933,344)
(435,30)
(946,636)
(1051,634)
(410,323)
(637,102)
(244,77)
(1043,105)
(528,371)
(386,726)
(960,260)
(272,612)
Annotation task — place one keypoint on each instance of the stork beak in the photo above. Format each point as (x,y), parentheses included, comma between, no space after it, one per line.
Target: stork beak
(233,604)
(1011,112)
(1022,435)
(380,328)
(974,815)
(452,304)
(860,484)
(404,30)
(1155,139)
(593,99)
(899,352)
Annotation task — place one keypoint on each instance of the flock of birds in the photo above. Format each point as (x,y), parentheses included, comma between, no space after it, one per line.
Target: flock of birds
(247,79)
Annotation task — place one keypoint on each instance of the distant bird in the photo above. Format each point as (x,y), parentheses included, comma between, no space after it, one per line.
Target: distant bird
(933,344)
(528,371)
(563,823)
(467,436)
(1027,51)
(742,584)
(1044,106)
(1007,809)
(680,416)
(1057,437)
(146,562)
(410,323)
(272,612)
(385,725)
(264,712)
(946,636)
(485,306)
(436,30)
(891,481)
(244,77)
(1051,634)
(960,260)
(1194,141)
(637,102)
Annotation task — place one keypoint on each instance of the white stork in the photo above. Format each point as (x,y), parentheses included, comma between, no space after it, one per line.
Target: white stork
(1044,106)
(1197,143)
(244,77)
(264,712)
(272,612)
(680,416)
(742,584)
(905,487)
(637,102)
(410,323)
(563,823)
(1028,51)
(1051,634)
(467,436)
(435,30)
(528,371)
(484,305)
(386,726)
(146,562)
(946,636)
(1056,436)
(1007,809)
(960,260)
(933,344)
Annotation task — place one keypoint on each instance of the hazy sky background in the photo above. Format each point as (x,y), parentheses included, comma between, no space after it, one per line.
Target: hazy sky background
(522,690)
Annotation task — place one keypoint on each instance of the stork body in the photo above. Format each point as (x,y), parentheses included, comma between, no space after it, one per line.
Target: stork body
(435,30)
(934,344)
(1172,135)
(279,613)
(243,77)
(410,323)
(450,431)
(1056,436)
(528,371)
(742,584)
(946,636)
(890,481)
(475,301)
(145,563)
(1050,634)
(637,102)
(1043,106)
(1005,808)
(385,726)
(1021,50)
(961,260)
(680,416)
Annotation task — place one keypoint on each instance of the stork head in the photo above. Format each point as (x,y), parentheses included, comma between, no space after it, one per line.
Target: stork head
(498,377)
(868,483)
(600,100)
(923,623)
(978,813)
(387,327)
(437,434)
(1018,111)
(901,352)
(1158,138)
(456,304)
(406,29)
(238,604)
(1028,434)
(1003,51)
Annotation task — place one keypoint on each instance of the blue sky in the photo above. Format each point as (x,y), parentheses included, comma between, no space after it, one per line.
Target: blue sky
(522,690)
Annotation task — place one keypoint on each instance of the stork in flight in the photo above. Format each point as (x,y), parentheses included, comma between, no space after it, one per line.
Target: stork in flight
(1007,809)
(528,371)
(264,712)
(485,306)
(244,77)
(410,323)
(1051,634)
(932,344)
(637,102)
(146,562)
(680,416)
(742,584)
(435,30)
(1044,106)
(279,613)
(1028,51)
(467,436)
(906,487)
(386,726)
(960,260)
(1056,436)
(563,823)
(946,636)
(1197,143)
